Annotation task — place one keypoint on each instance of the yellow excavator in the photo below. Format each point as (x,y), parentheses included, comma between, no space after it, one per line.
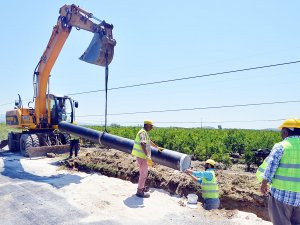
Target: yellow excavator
(39,124)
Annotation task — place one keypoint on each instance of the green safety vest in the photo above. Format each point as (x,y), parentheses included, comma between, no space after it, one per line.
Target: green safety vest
(287,175)
(260,170)
(137,149)
(210,189)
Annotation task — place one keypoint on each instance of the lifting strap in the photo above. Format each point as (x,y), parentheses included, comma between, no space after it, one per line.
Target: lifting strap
(106,84)
(106,87)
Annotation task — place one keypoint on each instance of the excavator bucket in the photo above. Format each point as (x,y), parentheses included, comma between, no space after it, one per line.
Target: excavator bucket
(100,51)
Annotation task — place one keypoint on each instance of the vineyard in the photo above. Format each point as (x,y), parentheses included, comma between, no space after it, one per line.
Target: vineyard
(202,144)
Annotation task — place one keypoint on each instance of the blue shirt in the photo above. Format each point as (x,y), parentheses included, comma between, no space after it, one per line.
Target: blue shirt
(200,174)
(287,197)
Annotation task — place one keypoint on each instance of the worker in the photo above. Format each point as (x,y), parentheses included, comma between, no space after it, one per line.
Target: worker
(142,150)
(74,145)
(281,171)
(209,184)
(61,110)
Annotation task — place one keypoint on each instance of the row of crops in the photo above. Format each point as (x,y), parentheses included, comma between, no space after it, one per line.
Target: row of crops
(207,143)
(200,143)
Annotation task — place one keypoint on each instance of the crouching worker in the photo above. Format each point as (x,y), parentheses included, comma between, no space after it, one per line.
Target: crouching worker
(209,184)
(142,150)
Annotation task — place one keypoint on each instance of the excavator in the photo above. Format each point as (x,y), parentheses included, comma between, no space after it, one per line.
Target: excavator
(38,125)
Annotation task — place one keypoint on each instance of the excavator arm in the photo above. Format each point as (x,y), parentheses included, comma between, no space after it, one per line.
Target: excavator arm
(70,16)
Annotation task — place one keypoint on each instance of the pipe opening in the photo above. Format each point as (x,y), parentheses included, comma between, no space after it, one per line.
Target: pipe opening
(185,162)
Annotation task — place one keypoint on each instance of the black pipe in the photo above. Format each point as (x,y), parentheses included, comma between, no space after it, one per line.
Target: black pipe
(169,158)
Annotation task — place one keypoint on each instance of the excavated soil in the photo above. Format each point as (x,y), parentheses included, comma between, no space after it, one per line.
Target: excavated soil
(239,189)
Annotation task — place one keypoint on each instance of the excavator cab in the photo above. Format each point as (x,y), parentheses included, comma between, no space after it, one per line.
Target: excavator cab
(62,108)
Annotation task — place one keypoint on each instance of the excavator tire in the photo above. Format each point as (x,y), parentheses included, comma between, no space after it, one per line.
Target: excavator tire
(11,143)
(28,141)
(35,140)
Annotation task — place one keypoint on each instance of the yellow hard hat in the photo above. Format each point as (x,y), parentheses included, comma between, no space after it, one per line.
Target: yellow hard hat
(211,162)
(149,122)
(290,123)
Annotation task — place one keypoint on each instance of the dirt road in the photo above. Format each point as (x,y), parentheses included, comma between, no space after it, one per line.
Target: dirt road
(40,192)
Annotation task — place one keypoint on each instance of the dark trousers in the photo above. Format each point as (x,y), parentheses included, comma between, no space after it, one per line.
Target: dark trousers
(211,203)
(74,145)
(283,214)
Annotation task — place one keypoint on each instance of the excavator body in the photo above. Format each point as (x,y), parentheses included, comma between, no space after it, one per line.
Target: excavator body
(29,141)
(38,123)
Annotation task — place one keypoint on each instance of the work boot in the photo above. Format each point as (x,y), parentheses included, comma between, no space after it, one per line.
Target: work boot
(142,194)
(146,189)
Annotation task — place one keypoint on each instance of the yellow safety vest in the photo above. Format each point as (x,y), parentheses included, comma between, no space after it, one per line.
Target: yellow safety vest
(260,170)
(137,149)
(210,189)
(287,175)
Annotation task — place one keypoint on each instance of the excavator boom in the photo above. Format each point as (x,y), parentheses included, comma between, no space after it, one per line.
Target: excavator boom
(100,53)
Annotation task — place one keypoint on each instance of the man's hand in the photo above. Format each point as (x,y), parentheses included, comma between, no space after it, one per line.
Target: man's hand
(188,171)
(149,161)
(264,189)
(160,149)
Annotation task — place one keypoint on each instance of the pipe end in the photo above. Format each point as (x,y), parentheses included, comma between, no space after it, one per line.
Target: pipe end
(185,162)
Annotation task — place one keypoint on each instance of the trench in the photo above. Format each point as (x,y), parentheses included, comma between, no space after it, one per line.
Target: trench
(238,190)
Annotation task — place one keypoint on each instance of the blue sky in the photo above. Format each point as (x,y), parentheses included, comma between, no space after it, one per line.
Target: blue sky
(164,40)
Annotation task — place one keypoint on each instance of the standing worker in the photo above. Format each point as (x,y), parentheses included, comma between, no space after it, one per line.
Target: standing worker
(74,145)
(142,150)
(209,184)
(282,172)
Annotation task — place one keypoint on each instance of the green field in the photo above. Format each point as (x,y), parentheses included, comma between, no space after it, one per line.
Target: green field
(200,143)
(4,131)
(207,143)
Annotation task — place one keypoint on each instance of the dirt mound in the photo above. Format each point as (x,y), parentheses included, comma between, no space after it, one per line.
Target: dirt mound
(238,189)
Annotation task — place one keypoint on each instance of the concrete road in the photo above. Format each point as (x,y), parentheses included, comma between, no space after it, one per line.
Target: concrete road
(37,191)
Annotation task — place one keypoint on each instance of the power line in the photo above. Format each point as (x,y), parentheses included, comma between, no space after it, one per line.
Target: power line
(186,78)
(9,103)
(199,108)
(183,78)
(191,77)
(244,121)
(218,122)
(6,104)
(204,122)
